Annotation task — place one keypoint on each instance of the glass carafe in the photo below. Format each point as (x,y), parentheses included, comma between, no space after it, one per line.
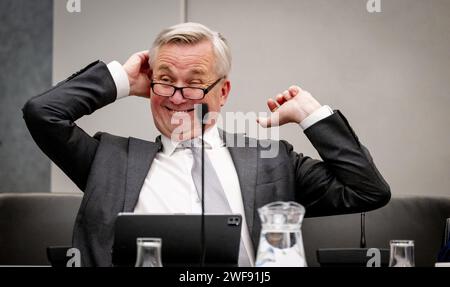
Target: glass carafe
(281,242)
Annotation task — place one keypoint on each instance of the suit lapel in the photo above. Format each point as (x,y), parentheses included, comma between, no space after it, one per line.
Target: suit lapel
(142,153)
(245,162)
(140,157)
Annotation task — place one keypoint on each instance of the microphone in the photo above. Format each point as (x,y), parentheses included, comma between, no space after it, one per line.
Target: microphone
(351,256)
(202,117)
(362,242)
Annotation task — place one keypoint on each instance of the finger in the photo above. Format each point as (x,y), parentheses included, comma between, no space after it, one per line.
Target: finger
(144,53)
(272,105)
(294,90)
(143,56)
(287,95)
(264,122)
(280,100)
(272,121)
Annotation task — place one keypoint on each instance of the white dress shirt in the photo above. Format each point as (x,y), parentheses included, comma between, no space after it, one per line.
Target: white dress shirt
(168,186)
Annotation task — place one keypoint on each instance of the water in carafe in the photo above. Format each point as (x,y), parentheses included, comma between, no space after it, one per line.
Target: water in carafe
(281,242)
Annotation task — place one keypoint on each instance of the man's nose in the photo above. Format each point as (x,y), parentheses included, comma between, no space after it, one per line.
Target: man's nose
(177,98)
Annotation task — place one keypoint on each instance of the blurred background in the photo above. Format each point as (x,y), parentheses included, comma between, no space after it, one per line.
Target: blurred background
(387,71)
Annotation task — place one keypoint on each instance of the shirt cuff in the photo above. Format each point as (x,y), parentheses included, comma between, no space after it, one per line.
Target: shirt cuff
(120,78)
(320,114)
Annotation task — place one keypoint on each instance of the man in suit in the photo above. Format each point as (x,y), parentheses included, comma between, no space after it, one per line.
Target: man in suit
(187,65)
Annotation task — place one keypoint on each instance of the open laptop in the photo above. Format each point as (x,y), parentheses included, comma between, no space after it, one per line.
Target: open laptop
(181,238)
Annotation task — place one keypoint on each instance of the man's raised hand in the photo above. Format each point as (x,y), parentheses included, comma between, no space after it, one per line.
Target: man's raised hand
(292,106)
(139,74)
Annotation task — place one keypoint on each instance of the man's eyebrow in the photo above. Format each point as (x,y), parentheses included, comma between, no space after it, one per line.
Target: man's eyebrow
(192,72)
(164,67)
(197,72)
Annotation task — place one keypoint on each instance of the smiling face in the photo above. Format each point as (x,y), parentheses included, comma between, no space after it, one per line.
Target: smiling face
(182,66)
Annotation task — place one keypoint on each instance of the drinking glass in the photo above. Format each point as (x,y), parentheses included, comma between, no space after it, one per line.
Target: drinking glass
(402,253)
(148,252)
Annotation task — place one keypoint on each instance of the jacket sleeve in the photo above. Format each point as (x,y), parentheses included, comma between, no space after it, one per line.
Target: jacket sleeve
(50,118)
(346,181)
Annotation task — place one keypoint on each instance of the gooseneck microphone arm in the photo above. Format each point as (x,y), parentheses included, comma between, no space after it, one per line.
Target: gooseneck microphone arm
(202,114)
(362,243)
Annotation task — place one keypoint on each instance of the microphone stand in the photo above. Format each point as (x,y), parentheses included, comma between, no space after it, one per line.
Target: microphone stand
(362,243)
(203,113)
(203,200)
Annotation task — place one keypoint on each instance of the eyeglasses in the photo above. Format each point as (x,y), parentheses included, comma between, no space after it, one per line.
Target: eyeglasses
(191,93)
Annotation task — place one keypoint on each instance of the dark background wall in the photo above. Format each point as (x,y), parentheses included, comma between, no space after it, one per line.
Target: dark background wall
(26,32)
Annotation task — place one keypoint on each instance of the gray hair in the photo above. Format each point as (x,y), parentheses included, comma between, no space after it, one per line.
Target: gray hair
(191,34)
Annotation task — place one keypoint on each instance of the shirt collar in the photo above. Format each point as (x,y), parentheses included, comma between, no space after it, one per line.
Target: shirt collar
(212,140)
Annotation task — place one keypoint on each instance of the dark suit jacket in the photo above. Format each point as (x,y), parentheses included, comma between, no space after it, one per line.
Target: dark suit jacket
(111,169)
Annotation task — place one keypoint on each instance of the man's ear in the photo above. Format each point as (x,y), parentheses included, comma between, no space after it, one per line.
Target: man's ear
(224,92)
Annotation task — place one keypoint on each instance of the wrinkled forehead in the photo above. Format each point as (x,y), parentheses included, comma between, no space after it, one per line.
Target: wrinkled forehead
(193,70)
(195,59)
